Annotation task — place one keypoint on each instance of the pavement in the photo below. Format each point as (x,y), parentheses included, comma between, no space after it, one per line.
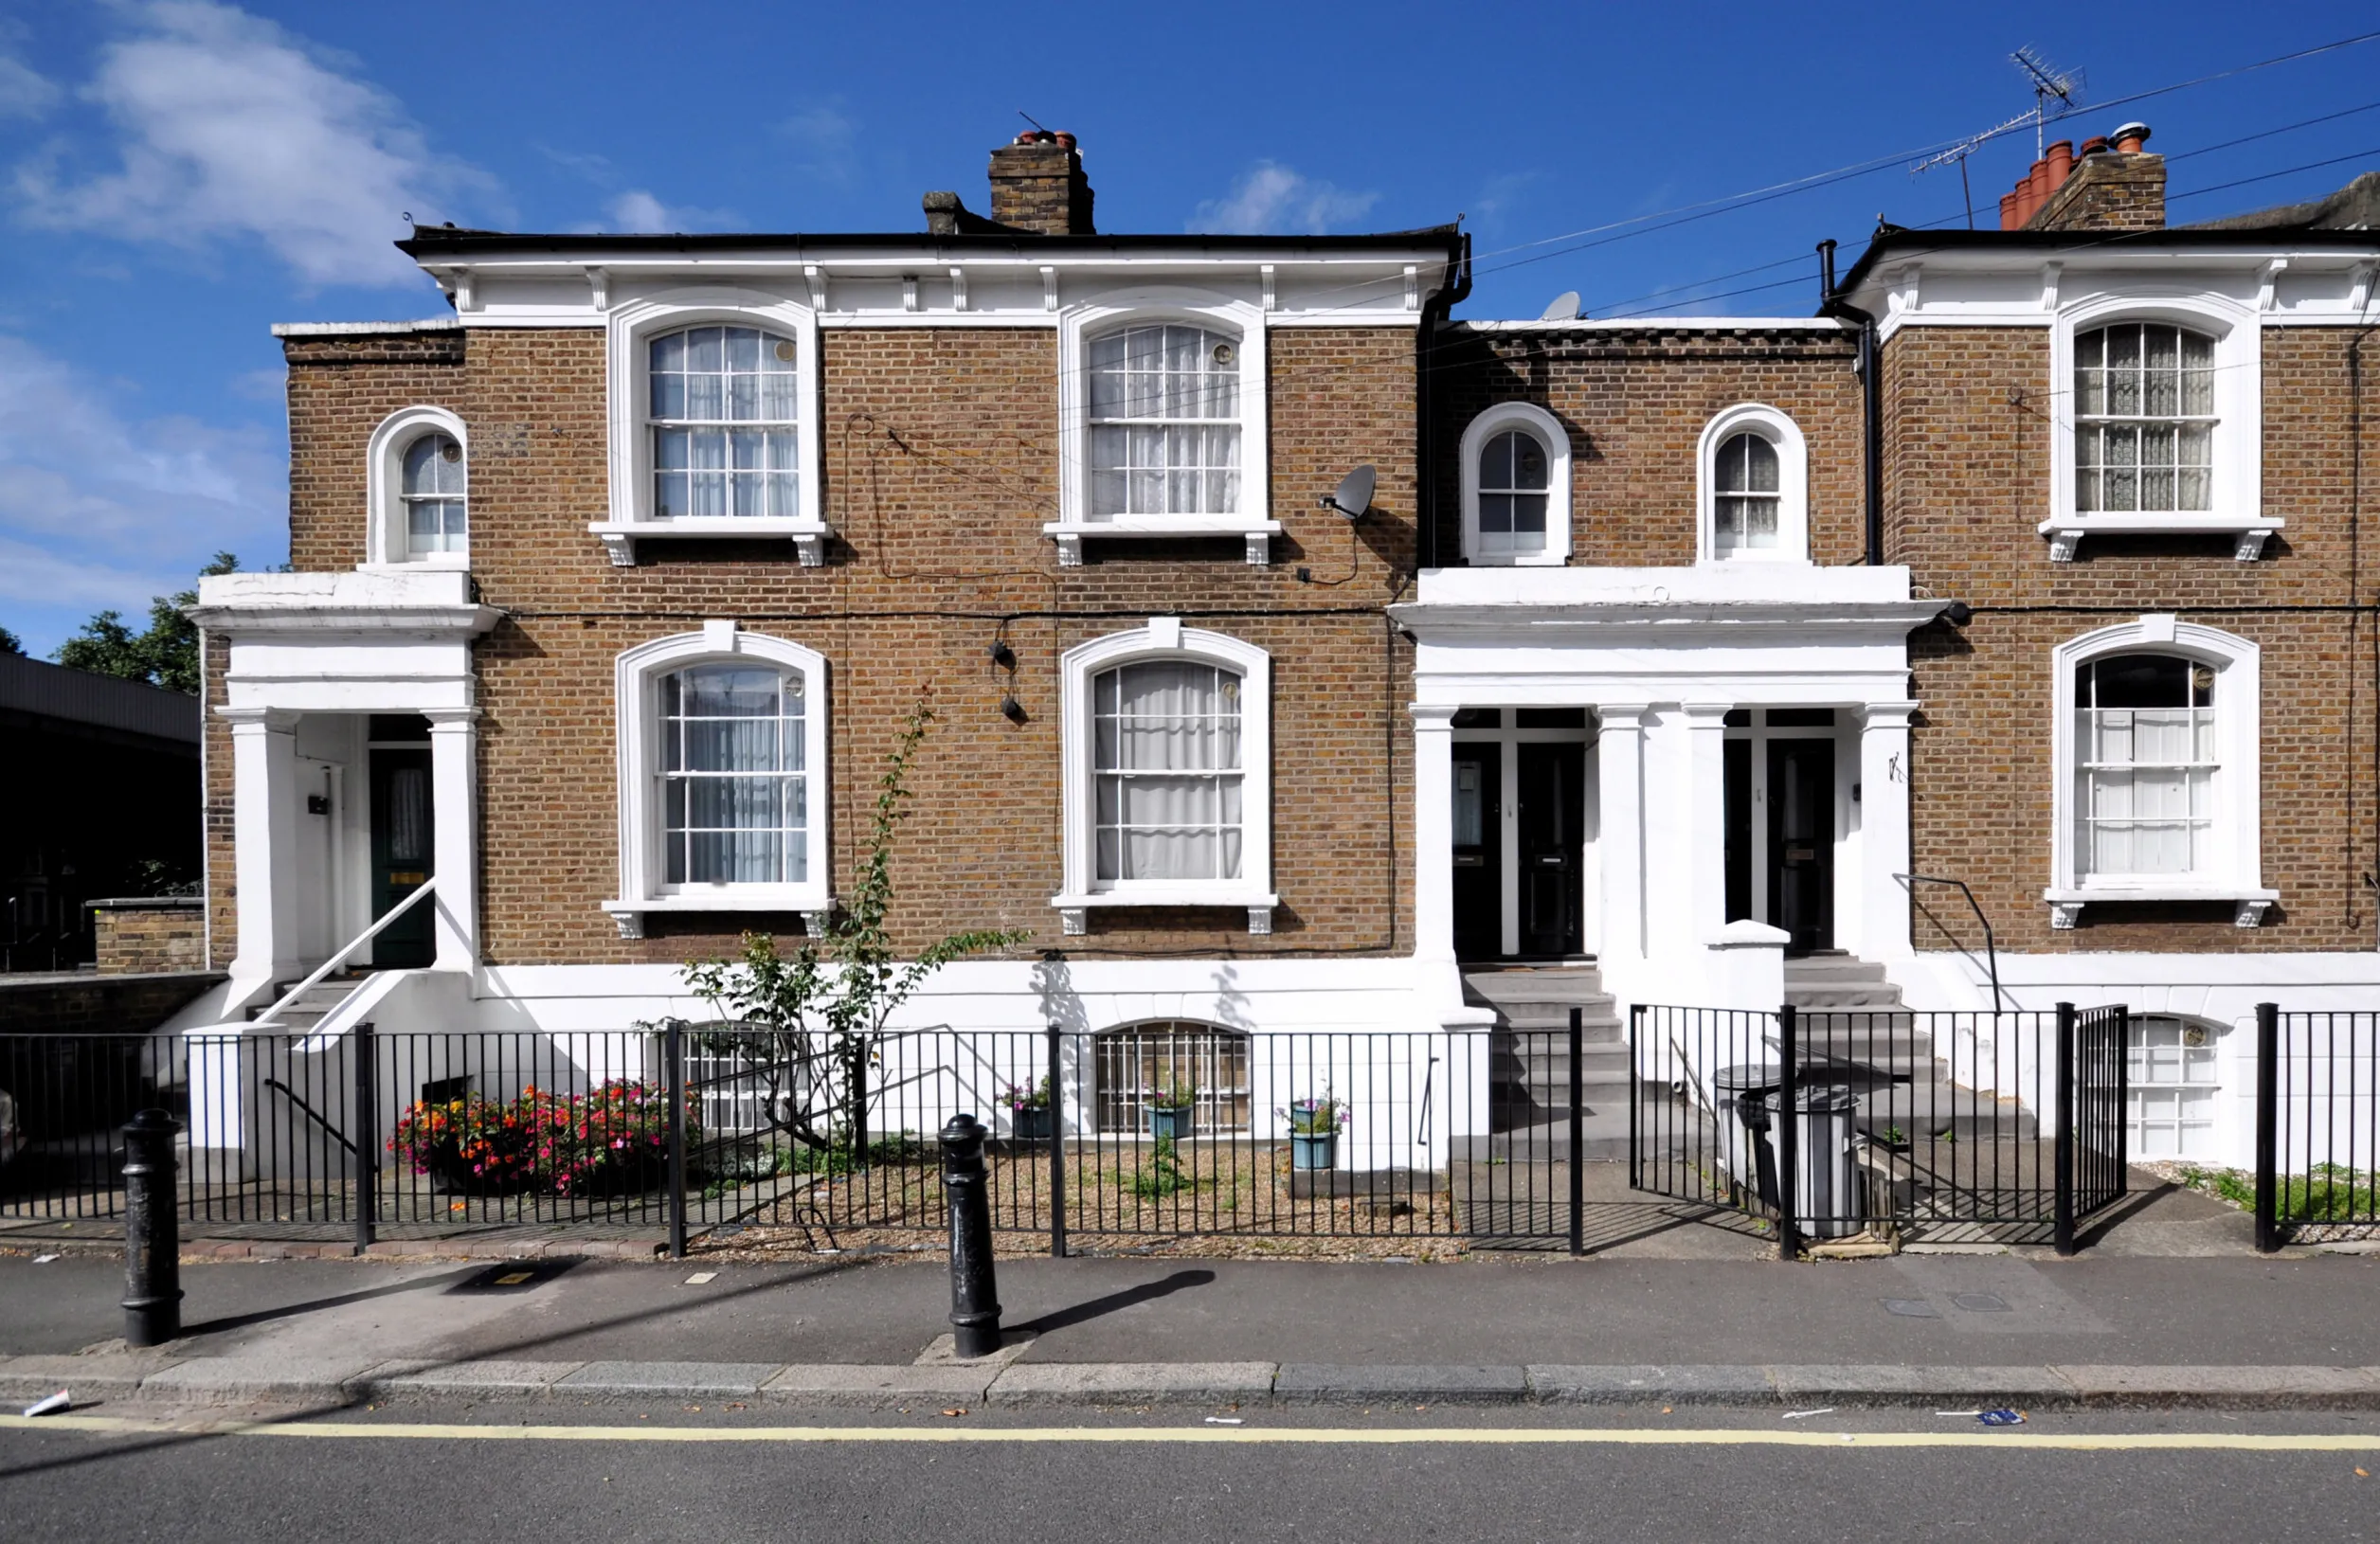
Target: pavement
(854,1332)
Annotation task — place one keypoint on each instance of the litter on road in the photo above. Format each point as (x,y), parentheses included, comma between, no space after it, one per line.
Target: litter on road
(51,1406)
(1804,1415)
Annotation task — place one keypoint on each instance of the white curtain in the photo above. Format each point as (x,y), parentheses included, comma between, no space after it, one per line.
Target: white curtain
(2145,764)
(1167,769)
(736,797)
(721,400)
(1165,439)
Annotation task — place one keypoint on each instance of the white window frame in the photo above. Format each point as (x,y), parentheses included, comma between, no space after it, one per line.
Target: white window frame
(384,488)
(1793,484)
(636,688)
(2237,497)
(2236,869)
(630,329)
(1076,327)
(1165,637)
(2209,1085)
(1550,432)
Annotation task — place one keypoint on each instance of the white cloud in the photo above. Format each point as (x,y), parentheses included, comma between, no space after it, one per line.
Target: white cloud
(230,126)
(23,93)
(101,509)
(826,140)
(636,212)
(1272,199)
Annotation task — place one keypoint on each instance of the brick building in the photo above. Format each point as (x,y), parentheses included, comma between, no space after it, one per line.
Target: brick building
(1660,659)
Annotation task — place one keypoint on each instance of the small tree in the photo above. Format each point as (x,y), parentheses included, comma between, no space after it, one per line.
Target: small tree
(811,1022)
(165,654)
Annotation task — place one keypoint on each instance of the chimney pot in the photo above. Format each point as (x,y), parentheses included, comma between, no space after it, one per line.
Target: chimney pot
(2132,137)
(2061,163)
(2096,145)
(2008,212)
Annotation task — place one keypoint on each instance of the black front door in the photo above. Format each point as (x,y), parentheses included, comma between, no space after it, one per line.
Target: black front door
(401,837)
(1801,842)
(1553,804)
(1478,853)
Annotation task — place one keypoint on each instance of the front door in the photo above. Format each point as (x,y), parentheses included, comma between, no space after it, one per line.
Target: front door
(1478,853)
(401,838)
(1552,843)
(1801,842)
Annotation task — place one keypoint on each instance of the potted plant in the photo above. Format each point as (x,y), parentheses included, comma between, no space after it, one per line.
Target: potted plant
(1169,1106)
(1029,1111)
(1314,1127)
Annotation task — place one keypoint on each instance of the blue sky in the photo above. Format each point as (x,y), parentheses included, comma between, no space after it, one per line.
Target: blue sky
(176,176)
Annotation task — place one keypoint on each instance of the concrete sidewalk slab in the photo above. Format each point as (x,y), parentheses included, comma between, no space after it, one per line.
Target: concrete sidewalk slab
(1558,1385)
(876,1387)
(1134,1383)
(674,1380)
(1320,1383)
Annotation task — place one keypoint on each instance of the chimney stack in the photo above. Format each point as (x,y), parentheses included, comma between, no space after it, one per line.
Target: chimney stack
(1037,185)
(2123,188)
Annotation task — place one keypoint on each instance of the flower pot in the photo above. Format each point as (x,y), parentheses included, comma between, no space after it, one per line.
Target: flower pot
(1169,1121)
(1315,1150)
(1030,1126)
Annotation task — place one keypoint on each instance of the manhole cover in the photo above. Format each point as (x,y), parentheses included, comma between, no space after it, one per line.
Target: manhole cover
(1981,1302)
(1911,1308)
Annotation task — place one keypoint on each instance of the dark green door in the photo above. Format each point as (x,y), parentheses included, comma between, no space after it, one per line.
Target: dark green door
(1552,803)
(400,849)
(1801,842)
(1478,853)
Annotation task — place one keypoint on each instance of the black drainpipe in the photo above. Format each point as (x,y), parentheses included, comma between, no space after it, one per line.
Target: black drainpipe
(1871,397)
(1433,314)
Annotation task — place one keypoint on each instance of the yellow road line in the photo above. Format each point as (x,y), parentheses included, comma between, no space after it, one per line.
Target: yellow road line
(1257,1436)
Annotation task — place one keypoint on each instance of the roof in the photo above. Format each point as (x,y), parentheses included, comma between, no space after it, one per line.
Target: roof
(2356,207)
(78,696)
(348,330)
(1890,240)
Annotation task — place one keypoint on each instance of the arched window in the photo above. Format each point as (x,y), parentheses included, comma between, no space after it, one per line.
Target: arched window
(2145,764)
(1516,486)
(1172,1065)
(433,489)
(734,776)
(1753,492)
(1745,478)
(2155,769)
(723,413)
(722,775)
(1166,757)
(1164,422)
(1168,751)
(2144,419)
(2169,1089)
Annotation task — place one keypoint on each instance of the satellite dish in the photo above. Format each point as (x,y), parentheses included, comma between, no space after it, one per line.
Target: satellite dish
(1353,497)
(1564,309)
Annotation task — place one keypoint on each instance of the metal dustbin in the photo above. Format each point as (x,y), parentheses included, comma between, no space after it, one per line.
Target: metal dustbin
(1742,1135)
(1826,1195)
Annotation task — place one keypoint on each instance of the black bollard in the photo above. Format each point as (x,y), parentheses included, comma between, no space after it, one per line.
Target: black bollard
(153,1245)
(974,1293)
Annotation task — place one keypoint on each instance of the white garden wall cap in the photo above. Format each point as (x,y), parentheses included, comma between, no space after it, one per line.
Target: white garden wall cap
(1711,583)
(1744,933)
(366,330)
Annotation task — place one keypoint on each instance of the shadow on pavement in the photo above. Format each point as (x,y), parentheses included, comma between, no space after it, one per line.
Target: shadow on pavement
(1114,1302)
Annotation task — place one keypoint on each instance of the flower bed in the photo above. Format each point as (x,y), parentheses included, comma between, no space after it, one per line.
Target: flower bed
(613,1139)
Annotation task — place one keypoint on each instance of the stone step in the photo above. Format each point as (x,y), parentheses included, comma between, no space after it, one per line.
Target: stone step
(1883,999)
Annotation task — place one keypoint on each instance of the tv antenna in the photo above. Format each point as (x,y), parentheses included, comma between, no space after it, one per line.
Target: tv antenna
(2049,83)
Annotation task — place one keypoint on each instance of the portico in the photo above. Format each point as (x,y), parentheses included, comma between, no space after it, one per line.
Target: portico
(1745,781)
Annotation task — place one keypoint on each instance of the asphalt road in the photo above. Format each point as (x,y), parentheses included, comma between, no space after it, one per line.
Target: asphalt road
(1477,1475)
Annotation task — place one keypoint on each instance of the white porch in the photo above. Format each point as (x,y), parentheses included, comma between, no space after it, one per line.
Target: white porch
(1670,664)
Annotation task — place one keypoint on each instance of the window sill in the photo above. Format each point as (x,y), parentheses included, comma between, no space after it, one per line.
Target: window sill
(1074,910)
(450,562)
(1068,534)
(2248,532)
(620,537)
(815,906)
(2066,906)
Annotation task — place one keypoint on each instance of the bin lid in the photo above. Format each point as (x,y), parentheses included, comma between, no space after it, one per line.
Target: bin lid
(1829,1098)
(1745,1075)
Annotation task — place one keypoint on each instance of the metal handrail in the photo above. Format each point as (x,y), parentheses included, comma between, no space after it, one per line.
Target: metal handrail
(309,1113)
(1991,950)
(269,1017)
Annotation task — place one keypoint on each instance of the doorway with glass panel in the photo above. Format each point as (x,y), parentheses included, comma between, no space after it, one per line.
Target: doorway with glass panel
(1523,832)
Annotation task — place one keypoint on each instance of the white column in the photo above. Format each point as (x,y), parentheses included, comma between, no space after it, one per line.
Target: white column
(1706,820)
(1433,832)
(1883,802)
(455,820)
(265,811)
(1620,826)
